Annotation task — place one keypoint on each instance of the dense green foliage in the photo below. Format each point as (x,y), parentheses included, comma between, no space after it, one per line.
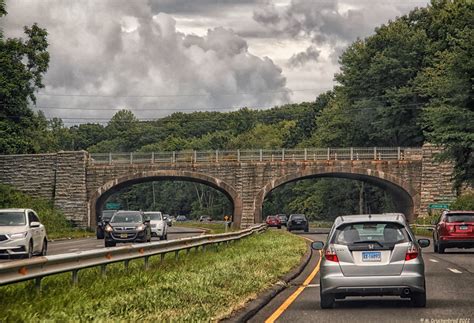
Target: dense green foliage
(56,224)
(196,287)
(409,83)
(464,202)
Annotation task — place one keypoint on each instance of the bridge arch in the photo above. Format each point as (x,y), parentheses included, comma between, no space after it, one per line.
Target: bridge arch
(99,197)
(403,194)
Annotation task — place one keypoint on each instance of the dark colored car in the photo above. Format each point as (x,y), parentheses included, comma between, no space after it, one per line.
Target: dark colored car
(168,220)
(273,221)
(283,219)
(181,218)
(127,226)
(103,220)
(455,229)
(298,222)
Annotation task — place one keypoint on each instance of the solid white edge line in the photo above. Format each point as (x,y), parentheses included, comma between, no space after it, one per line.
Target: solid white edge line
(433,260)
(455,270)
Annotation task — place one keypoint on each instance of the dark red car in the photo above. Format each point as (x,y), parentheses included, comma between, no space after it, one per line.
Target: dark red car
(273,221)
(455,229)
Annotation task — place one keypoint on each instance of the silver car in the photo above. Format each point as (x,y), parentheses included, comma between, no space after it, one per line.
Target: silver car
(372,255)
(21,233)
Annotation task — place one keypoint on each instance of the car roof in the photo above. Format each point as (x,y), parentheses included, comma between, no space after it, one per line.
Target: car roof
(129,212)
(389,217)
(153,212)
(14,210)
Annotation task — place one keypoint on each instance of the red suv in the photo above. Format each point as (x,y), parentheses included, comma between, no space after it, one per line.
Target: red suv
(455,229)
(273,221)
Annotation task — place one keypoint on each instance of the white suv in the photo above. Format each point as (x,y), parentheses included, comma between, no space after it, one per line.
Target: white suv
(159,227)
(21,233)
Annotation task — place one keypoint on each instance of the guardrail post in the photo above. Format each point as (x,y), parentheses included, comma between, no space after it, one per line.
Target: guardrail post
(162,257)
(103,270)
(238,155)
(217,156)
(173,159)
(125,263)
(398,153)
(152,157)
(176,254)
(375,153)
(283,154)
(75,277)
(261,155)
(147,263)
(305,154)
(38,283)
(352,153)
(110,158)
(329,153)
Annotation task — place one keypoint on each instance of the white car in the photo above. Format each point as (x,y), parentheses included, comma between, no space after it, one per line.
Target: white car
(159,228)
(21,233)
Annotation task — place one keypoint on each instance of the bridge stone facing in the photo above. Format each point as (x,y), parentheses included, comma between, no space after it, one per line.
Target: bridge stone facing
(78,186)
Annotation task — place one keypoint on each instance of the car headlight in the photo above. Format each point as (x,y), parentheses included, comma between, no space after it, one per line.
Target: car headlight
(19,235)
(109,228)
(140,227)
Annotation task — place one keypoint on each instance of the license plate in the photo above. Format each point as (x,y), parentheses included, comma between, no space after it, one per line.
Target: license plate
(298,222)
(371,256)
(463,227)
(123,235)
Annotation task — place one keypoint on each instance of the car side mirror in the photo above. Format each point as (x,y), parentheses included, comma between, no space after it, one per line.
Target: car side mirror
(424,243)
(34,224)
(317,245)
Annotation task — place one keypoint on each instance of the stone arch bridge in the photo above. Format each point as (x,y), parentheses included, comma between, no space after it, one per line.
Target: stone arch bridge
(79,183)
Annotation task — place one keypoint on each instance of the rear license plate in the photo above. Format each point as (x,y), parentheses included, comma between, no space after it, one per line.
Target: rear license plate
(298,222)
(123,235)
(371,256)
(463,227)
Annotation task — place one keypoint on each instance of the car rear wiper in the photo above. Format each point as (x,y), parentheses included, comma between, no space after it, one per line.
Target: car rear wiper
(368,241)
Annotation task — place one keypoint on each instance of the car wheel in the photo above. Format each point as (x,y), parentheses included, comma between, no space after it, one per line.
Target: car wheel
(435,245)
(327,301)
(44,250)
(279,226)
(441,248)
(419,299)
(99,233)
(306,229)
(110,243)
(30,250)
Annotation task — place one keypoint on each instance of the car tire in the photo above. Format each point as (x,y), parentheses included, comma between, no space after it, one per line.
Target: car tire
(306,230)
(419,299)
(279,226)
(99,233)
(110,243)
(441,248)
(44,249)
(29,253)
(435,245)
(327,301)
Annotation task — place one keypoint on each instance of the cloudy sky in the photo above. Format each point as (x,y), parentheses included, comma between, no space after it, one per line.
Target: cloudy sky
(157,57)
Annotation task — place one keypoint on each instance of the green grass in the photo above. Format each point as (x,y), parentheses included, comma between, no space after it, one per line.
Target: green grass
(203,286)
(321,224)
(209,226)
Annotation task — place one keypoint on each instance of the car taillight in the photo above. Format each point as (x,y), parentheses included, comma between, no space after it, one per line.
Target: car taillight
(450,227)
(412,252)
(330,254)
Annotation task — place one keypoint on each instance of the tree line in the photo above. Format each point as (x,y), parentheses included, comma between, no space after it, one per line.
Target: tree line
(408,83)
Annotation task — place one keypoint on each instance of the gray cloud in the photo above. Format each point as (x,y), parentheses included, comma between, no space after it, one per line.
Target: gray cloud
(121,53)
(300,59)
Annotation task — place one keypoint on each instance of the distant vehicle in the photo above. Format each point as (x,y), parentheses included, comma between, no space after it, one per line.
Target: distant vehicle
(22,234)
(159,228)
(370,255)
(181,218)
(283,219)
(168,220)
(455,229)
(127,226)
(205,218)
(297,222)
(103,220)
(273,221)
(172,218)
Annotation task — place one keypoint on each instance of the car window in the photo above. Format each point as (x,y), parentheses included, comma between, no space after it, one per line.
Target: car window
(153,216)
(297,216)
(126,218)
(12,218)
(381,232)
(35,217)
(460,217)
(32,217)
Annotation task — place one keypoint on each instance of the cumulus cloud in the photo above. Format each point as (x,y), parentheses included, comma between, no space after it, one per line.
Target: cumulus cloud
(300,59)
(118,53)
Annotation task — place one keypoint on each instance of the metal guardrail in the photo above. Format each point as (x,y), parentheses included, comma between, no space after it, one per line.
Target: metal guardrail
(37,268)
(260,155)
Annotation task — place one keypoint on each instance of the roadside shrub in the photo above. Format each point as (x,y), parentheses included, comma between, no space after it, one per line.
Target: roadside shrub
(464,202)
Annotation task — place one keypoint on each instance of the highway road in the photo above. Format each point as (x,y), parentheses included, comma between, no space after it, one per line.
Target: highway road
(75,245)
(450,294)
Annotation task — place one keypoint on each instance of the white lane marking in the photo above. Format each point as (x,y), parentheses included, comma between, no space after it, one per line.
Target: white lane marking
(455,270)
(313,285)
(434,260)
(74,249)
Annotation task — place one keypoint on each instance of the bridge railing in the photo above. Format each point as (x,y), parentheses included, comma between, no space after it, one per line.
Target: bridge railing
(260,155)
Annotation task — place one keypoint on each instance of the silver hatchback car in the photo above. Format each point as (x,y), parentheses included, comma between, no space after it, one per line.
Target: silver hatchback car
(372,255)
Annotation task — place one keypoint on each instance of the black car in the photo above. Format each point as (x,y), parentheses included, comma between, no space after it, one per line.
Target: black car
(297,222)
(127,226)
(283,219)
(103,220)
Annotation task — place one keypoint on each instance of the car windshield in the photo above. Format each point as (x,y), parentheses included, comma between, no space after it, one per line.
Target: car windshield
(297,217)
(12,218)
(126,218)
(367,232)
(154,216)
(460,217)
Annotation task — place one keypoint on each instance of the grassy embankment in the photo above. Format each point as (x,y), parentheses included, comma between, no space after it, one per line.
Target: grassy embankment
(56,224)
(210,227)
(200,286)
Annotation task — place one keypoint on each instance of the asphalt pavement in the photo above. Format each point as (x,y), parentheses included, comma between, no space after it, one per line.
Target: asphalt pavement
(450,295)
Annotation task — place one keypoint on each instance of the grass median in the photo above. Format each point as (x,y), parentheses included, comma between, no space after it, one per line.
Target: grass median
(200,286)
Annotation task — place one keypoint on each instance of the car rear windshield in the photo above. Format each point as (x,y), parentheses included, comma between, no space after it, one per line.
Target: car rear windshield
(460,217)
(12,218)
(271,217)
(154,216)
(126,218)
(384,233)
(297,217)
